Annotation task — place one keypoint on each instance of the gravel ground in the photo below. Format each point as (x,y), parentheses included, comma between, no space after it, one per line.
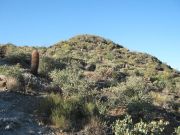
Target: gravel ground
(17,115)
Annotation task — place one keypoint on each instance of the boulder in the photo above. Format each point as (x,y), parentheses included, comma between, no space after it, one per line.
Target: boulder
(11,83)
(2,82)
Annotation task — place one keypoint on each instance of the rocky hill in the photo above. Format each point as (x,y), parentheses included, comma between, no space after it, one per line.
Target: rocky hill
(87,85)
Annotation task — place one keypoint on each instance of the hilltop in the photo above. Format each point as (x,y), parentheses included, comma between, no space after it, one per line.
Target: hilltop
(96,85)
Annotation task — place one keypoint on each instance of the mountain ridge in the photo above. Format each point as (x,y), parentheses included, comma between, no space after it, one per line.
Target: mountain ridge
(94,39)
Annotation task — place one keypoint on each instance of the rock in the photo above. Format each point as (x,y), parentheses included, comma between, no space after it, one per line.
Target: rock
(9,127)
(9,124)
(90,67)
(2,83)
(11,83)
(32,82)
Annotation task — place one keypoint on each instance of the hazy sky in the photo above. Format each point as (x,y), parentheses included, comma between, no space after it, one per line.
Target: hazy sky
(151,26)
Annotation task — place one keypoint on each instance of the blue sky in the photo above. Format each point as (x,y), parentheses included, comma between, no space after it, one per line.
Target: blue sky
(151,26)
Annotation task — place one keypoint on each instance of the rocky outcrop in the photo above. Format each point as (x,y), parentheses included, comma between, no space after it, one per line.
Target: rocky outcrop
(3,82)
(11,84)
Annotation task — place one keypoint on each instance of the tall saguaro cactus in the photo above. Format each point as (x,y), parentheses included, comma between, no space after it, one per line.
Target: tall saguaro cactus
(34,62)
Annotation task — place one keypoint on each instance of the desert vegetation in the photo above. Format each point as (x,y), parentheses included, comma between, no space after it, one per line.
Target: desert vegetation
(91,85)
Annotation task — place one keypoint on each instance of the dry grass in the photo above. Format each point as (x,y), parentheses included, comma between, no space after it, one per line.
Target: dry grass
(160,99)
(94,127)
(118,111)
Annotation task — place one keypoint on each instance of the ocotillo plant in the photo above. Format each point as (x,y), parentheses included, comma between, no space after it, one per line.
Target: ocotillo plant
(34,62)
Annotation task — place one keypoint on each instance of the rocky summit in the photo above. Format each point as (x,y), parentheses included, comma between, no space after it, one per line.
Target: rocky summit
(86,85)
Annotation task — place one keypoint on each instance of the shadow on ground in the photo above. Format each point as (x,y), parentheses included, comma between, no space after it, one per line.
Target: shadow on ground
(17,114)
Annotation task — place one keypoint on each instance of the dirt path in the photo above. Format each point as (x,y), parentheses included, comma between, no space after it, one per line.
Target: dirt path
(16,115)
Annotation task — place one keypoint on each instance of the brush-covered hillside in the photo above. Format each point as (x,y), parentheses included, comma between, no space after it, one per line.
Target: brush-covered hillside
(88,85)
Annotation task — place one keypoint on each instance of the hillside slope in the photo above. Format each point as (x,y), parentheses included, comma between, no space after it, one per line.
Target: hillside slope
(119,82)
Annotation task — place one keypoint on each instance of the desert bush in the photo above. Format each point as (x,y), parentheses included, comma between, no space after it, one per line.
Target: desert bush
(127,127)
(159,84)
(177,88)
(70,80)
(12,71)
(177,131)
(95,127)
(48,64)
(105,72)
(102,107)
(2,51)
(71,113)
(110,56)
(108,75)
(14,78)
(159,98)
(18,58)
(150,71)
(133,88)
(60,50)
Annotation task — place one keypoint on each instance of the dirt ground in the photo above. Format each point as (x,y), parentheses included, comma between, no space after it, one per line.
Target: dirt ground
(17,115)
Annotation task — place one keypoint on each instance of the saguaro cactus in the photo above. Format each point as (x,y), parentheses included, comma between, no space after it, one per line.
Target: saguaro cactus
(34,62)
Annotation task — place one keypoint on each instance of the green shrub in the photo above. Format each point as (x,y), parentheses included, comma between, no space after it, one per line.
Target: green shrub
(110,56)
(177,131)
(102,108)
(70,80)
(133,89)
(14,80)
(2,51)
(127,127)
(68,113)
(12,71)
(19,58)
(48,64)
